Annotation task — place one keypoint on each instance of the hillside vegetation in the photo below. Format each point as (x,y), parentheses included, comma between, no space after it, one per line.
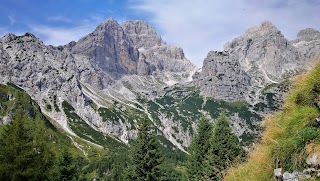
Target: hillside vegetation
(291,136)
(17,105)
(24,124)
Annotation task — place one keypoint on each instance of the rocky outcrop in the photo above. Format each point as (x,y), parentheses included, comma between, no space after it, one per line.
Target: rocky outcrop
(155,55)
(109,48)
(266,56)
(223,78)
(141,34)
(46,73)
(264,49)
(164,58)
(308,42)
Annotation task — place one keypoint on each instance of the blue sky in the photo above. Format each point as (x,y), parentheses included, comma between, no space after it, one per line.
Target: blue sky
(197,26)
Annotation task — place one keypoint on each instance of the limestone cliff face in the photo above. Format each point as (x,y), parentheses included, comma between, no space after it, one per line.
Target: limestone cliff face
(223,78)
(264,49)
(155,56)
(141,34)
(308,42)
(93,69)
(266,57)
(130,48)
(109,48)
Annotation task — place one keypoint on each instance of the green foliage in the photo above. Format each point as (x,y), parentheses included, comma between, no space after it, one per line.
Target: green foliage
(41,133)
(65,168)
(146,157)
(224,151)
(112,167)
(289,152)
(56,107)
(47,105)
(15,87)
(119,112)
(212,150)
(199,148)
(24,152)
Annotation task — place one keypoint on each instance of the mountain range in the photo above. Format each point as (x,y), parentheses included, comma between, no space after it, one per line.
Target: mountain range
(99,87)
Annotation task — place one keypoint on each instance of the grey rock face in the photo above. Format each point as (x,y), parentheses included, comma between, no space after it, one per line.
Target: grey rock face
(266,56)
(95,66)
(141,34)
(308,42)
(28,63)
(130,48)
(223,78)
(164,58)
(109,48)
(154,54)
(264,49)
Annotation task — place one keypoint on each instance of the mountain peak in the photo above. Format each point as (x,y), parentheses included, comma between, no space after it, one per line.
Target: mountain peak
(264,27)
(308,32)
(25,37)
(109,23)
(111,20)
(138,27)
(141,34)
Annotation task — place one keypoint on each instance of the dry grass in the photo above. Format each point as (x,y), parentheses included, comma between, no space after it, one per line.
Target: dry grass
(258,166)
(290,135)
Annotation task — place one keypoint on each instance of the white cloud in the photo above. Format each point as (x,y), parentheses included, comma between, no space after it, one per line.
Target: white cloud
(59,18)
(204,25)
(58,36)
(52,35)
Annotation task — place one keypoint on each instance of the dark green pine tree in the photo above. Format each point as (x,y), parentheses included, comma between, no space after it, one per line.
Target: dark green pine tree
(146,157)
(198,149)
(24,153)
(225,150)
(67,168)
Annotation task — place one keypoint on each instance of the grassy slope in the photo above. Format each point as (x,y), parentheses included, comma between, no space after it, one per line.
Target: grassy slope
(290,135)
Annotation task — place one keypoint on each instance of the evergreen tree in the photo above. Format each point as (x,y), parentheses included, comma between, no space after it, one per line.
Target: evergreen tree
(24,153)
(199,148)
(146,157)
(225,149)
(67,168)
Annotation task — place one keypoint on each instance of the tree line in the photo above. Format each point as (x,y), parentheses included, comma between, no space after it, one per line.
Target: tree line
(26,154)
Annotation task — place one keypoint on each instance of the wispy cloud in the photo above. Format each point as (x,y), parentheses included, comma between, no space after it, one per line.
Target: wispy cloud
(59,18)
(59,36)
(204,25)
(52,35)
(12,20)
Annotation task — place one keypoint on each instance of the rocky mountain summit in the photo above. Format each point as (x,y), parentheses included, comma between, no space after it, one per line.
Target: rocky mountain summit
(308,42)
(101,86)
(260,57)
(111,65)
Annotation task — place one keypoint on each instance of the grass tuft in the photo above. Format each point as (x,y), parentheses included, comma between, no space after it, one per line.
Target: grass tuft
(291,135)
